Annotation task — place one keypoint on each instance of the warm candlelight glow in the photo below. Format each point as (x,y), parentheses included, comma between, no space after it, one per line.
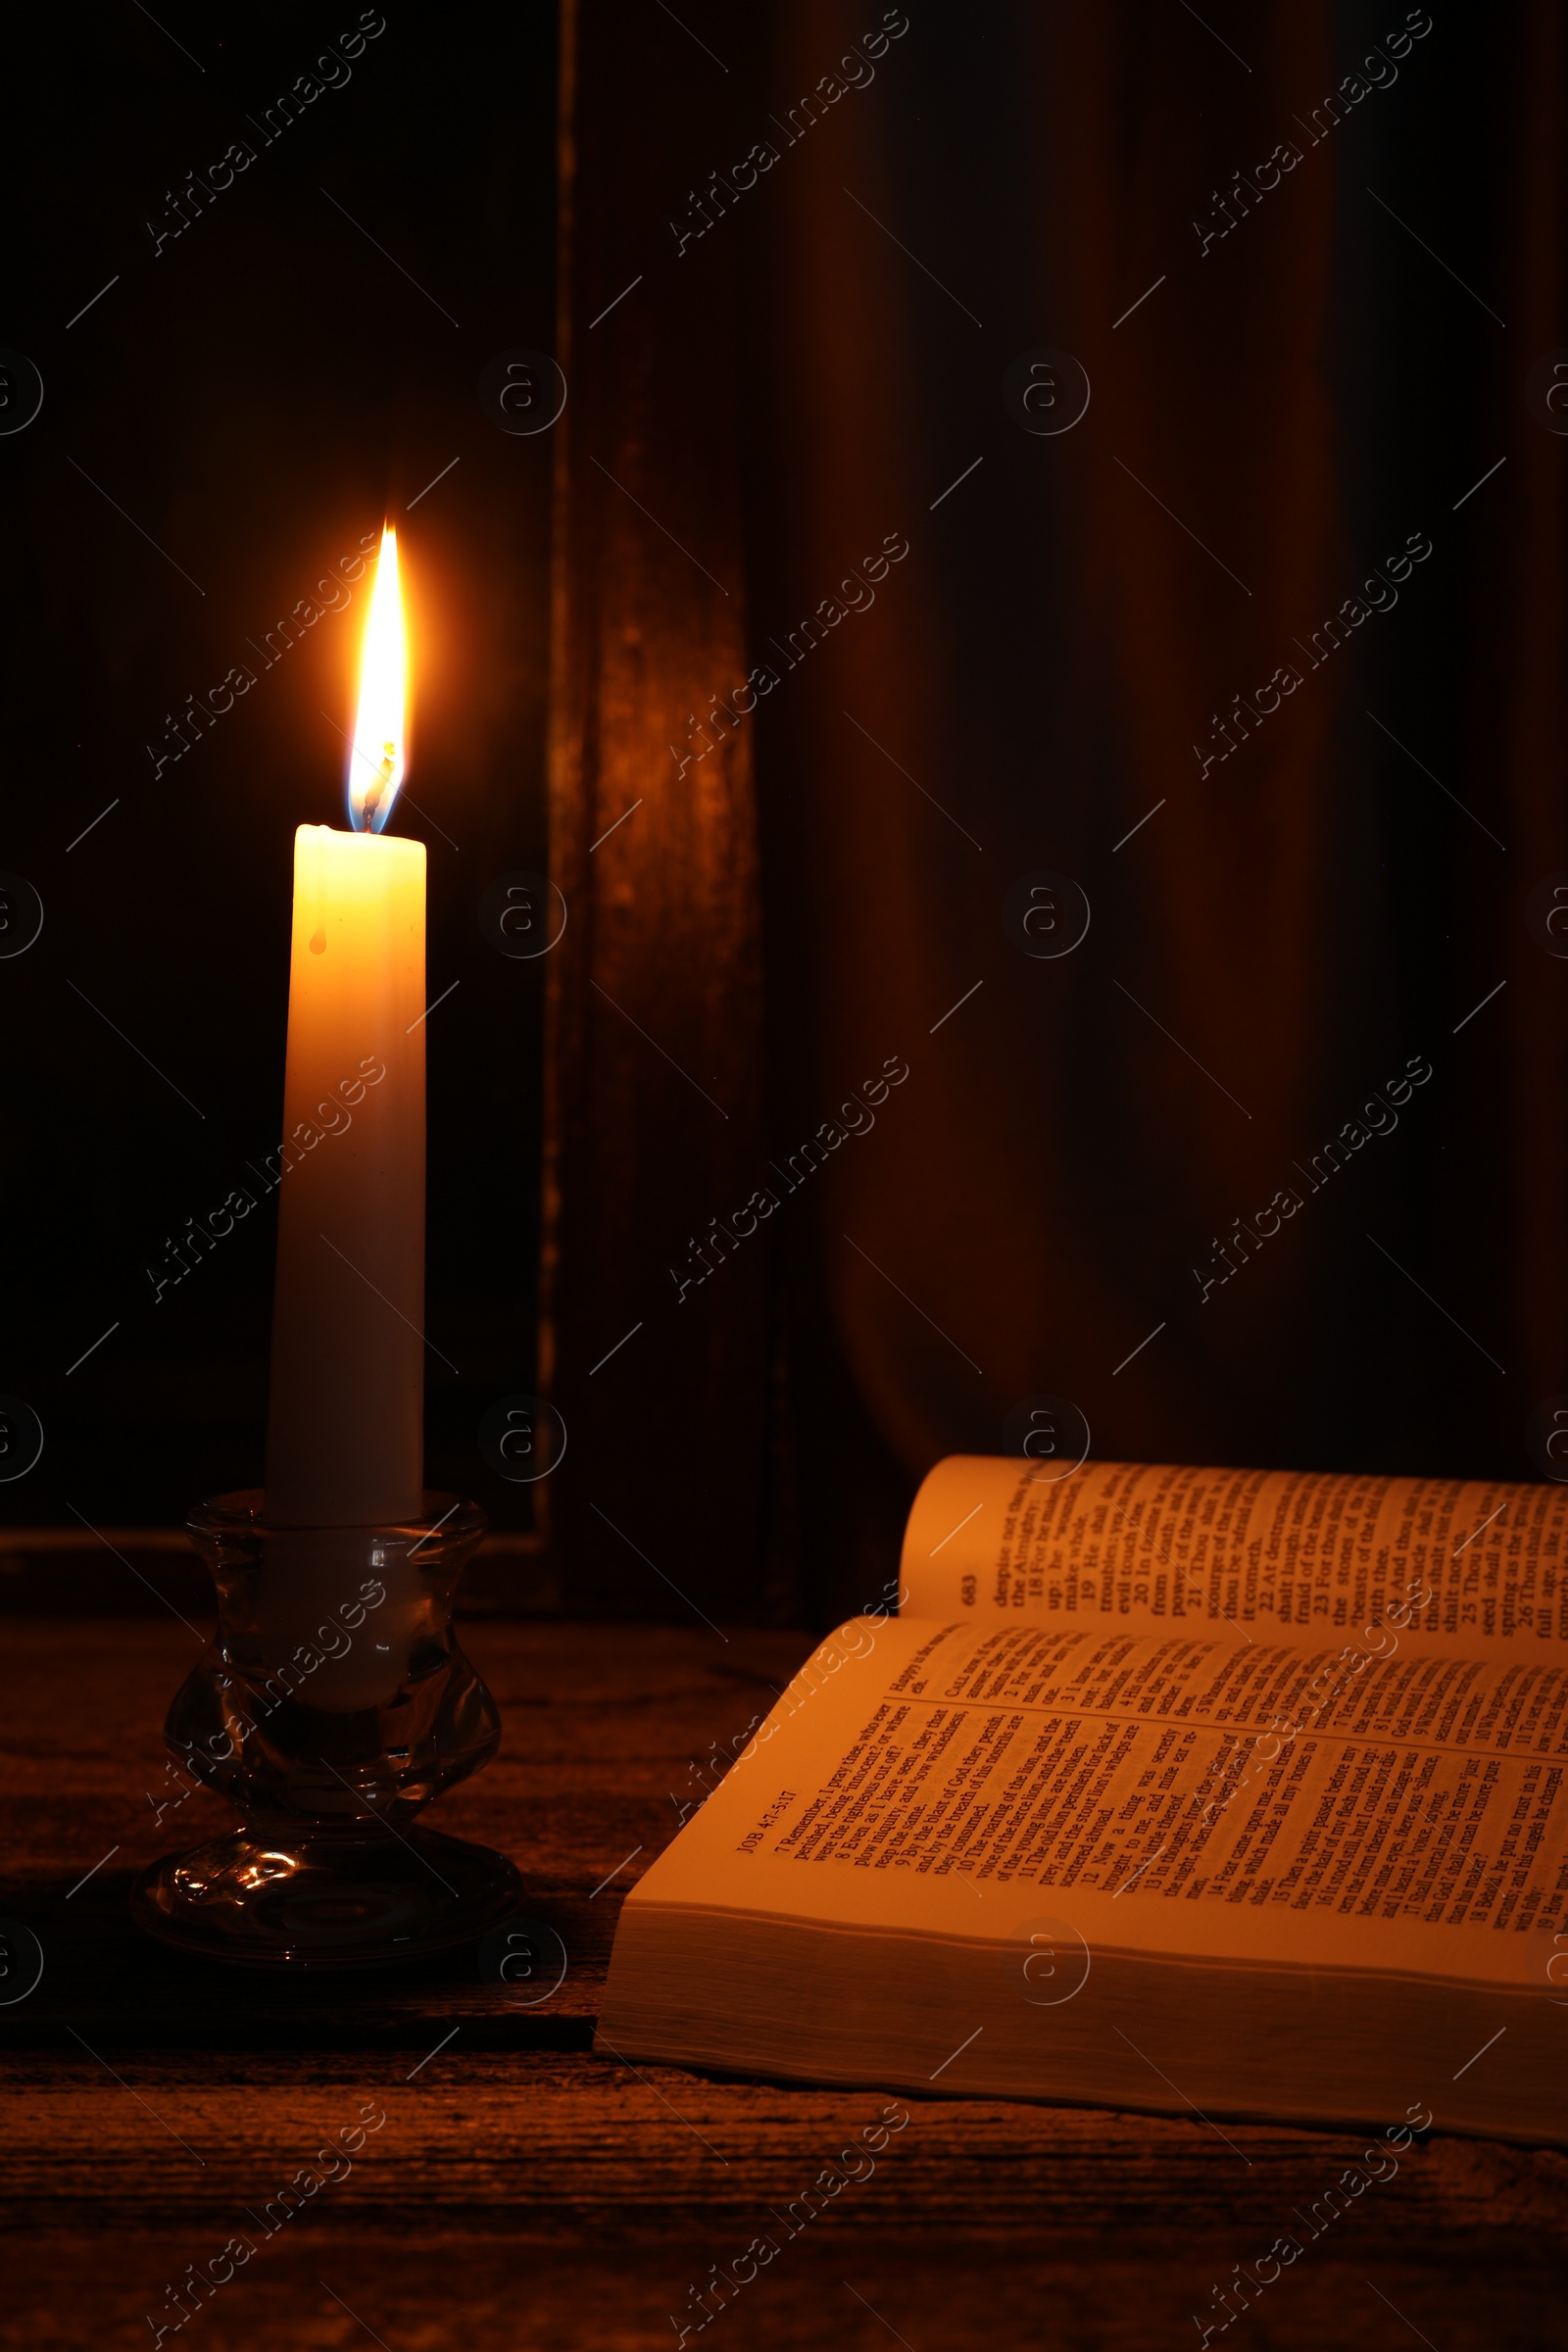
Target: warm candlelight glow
(376,759)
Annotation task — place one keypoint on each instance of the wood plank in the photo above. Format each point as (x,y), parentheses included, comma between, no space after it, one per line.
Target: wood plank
(605,2146)
(513,2125)
(860,2290)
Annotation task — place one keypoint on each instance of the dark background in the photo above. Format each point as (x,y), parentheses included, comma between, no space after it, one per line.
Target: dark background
(257,395)
(1333,898)
(1270,419)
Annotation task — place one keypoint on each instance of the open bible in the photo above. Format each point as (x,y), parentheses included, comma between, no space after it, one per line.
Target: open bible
(1166,1789)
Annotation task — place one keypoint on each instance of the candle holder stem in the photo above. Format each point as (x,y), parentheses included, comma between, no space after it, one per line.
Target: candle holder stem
(331,1705)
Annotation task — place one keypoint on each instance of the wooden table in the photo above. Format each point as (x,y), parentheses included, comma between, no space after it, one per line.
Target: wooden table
(524,2191)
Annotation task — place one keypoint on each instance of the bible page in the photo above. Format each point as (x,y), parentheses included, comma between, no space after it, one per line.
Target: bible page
(1174,1795)
(1467,1568)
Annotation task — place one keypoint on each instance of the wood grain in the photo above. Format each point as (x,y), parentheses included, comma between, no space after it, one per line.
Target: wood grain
(866,2290)
(606,2147)
(525,2189)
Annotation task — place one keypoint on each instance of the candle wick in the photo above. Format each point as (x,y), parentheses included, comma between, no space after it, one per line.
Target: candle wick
(373,798)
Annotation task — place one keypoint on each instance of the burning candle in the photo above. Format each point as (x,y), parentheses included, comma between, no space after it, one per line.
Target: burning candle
(345,1416)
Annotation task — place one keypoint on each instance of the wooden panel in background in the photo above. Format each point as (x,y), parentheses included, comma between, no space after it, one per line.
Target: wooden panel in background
(147,1571)
(654,1066)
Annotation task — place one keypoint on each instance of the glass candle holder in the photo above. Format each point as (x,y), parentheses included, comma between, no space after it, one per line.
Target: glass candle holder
(331,1705)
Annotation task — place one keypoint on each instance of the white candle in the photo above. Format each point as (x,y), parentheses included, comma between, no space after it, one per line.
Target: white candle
(345,1417)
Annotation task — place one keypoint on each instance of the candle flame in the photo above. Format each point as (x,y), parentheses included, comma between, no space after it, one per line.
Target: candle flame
(376,759)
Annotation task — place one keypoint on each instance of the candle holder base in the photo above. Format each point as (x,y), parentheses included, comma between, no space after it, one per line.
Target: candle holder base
(327,1901)
(330,1707)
